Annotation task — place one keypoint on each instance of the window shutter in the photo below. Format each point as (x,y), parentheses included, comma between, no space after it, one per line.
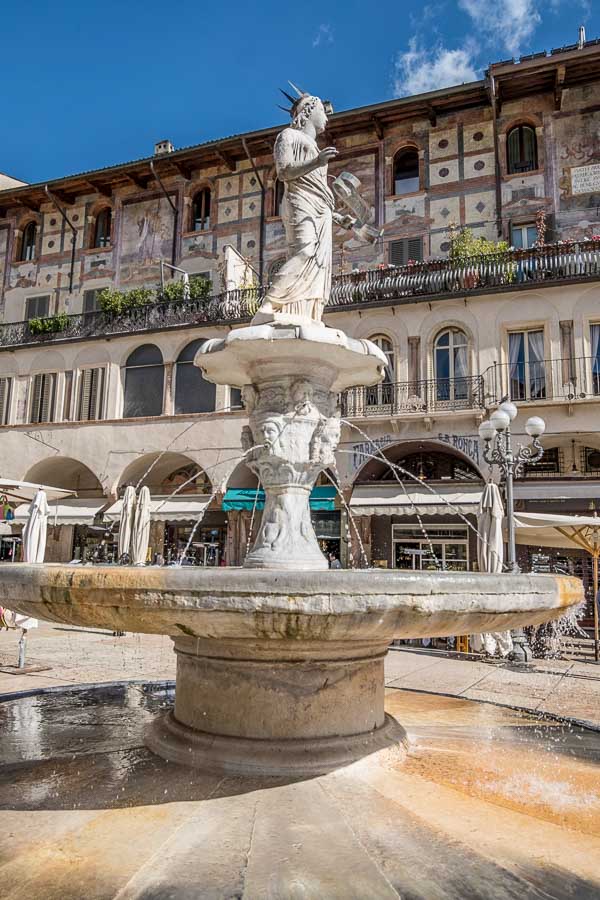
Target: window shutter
(46,398)
(405,249)
(37,307)
(68,396)
(36,393)
(5,385)
(91,394)
(84,394)
(90,301)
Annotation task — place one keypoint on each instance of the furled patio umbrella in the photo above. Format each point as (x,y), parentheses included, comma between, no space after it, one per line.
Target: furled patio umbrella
(126,521)
(34,532)
(141,528)
(490,557)
(545,530)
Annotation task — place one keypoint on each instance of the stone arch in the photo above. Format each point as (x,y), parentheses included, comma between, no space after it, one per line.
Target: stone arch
(47,361)
(68,473)
(162,473)
(376,469)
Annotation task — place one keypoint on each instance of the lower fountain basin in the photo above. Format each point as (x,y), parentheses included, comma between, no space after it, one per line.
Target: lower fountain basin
(281,673)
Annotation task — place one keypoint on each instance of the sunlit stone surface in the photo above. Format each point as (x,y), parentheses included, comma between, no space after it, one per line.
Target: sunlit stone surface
(488,804)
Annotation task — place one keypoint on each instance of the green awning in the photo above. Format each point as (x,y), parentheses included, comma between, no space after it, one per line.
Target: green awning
(321,499)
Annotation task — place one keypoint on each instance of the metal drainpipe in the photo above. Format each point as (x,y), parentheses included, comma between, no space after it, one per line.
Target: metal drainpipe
(73,233)
(175,212)
(261,240)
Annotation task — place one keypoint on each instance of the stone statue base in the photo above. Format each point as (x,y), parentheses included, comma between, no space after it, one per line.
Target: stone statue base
(291,377)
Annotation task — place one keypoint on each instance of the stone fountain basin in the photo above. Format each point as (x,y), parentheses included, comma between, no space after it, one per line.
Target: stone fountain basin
(281,673)
(323,606)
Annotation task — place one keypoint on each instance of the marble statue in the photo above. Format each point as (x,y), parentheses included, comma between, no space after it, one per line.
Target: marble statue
(302,286)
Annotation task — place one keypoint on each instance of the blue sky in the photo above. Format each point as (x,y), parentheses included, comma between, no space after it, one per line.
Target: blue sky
(93,85)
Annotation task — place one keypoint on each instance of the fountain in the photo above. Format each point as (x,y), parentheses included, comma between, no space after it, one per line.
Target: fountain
(280,664)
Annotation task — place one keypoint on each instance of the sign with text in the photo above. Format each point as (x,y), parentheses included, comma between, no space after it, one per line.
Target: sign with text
(585,179)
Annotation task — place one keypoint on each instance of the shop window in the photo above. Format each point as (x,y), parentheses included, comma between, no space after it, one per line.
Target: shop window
(432,465)
(37,307)
(526,365)
(5,393)
(201,210)
(144,382)
(90,403)
(102,230)
(43,397)
(193,393)
(406,250)
(28,242)
(451,365)
(523,236)
(521,144)
(278,190)
(551,464)
(444,548)
(406,171)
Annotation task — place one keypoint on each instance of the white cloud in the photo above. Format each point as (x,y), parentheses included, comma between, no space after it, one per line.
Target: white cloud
(418,70)
(324,35)
(512,22)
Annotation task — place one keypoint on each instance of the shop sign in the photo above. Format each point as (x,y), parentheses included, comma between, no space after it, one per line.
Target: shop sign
(466,443)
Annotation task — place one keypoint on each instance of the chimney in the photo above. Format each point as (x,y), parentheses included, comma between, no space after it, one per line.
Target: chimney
(581,38)
(163,147)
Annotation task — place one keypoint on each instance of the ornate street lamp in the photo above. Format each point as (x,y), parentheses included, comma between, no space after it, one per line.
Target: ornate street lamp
(498,451)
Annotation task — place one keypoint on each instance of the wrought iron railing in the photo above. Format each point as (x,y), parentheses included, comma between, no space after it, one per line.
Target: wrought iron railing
(414,397)
(499,271)
(567,379)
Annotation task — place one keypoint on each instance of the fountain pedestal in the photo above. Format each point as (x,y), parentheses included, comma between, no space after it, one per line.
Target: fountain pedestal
(285,707)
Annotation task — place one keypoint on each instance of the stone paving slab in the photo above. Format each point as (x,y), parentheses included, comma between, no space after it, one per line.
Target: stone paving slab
(74,656)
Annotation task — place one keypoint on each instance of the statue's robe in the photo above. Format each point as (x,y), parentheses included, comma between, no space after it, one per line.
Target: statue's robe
(303,284)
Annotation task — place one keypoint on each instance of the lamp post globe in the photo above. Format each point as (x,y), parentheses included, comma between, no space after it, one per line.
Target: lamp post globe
(487,431)
(535,426)
(500,420)
(510,409)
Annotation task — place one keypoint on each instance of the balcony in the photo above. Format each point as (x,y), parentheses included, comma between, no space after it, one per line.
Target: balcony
(510,271)
(415,397)
(566,380)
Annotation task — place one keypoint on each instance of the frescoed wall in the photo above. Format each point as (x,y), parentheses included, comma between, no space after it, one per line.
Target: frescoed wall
(147,235)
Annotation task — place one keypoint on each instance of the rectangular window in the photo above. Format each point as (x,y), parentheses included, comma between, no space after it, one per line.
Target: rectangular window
(90,301)
(5,391)
(526,365)
(91,394)
(523,236)
(595,357)
(404,250)
(43,395)
(37,307)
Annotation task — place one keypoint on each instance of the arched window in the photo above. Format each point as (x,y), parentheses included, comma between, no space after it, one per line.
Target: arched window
(451,361)
(406,171)
(201,210)
(144,382)
(102,228)
(28,242)
(382,394)
(278,190)
(193,394)
(521,148)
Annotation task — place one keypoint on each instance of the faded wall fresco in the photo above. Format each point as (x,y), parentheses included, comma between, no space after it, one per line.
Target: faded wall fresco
(147,235)
(348,250)
(577,146)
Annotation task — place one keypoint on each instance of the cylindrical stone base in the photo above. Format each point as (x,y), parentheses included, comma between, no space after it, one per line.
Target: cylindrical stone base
(276,707)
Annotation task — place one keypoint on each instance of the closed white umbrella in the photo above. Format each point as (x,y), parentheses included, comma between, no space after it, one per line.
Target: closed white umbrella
(141,529)
(490,557)
(34,533)
(126,521)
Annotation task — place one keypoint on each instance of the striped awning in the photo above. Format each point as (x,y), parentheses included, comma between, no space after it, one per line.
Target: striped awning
(390,499)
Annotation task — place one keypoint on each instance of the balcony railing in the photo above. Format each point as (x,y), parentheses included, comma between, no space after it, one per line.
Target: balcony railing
(512,270)
(433,395)
(547,379)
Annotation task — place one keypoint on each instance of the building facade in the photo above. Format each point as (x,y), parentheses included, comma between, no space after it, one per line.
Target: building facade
(92,400)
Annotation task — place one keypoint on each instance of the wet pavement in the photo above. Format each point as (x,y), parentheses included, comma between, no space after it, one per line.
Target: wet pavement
(491,803)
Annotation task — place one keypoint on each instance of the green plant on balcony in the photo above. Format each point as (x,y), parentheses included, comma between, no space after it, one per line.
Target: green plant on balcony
(464,244)
(200,289)
(48,325)
(118,302)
